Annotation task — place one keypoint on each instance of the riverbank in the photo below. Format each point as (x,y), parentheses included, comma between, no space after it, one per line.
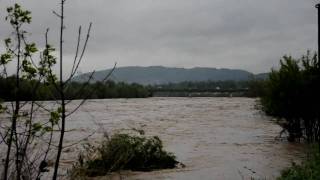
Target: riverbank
(308,169)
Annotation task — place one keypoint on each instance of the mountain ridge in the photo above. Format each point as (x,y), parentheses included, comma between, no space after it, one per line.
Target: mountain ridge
(161,75)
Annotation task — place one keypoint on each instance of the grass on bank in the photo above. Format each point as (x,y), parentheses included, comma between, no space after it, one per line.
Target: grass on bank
(308,170)
(123,152)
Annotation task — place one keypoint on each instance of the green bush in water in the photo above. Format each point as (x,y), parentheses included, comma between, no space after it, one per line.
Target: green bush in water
(124,152)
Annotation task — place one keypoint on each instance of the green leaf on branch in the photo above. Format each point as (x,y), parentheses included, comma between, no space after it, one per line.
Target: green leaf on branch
(31,48)
(5,58)
(36,127)
(54,117)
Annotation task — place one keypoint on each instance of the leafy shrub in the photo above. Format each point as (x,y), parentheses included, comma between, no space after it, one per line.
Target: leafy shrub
(292,94)
(124,152)
(309,170)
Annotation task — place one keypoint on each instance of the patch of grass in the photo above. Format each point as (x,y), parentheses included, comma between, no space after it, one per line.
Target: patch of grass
(123,152)
(308,170)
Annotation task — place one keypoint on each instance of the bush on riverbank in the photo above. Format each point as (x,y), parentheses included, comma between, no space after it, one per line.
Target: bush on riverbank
(123,152)
(292,94)
(309,169)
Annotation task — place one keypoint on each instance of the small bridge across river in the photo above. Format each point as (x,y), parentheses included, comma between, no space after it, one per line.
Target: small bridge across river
(199,92)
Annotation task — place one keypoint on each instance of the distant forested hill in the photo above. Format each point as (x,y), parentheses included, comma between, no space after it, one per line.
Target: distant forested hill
(163,75)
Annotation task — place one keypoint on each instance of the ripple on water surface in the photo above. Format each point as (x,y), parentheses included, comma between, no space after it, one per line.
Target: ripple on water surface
(216,138)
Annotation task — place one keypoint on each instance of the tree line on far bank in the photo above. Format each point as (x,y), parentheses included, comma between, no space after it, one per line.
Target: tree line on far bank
(75,90)
(111,89)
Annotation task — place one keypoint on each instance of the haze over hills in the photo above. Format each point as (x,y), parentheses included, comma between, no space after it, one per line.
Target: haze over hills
(163,75)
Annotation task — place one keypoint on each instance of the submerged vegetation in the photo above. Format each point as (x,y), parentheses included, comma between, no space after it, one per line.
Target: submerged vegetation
(123,152)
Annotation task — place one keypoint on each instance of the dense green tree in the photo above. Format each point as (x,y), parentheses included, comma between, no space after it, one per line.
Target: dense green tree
(292,94)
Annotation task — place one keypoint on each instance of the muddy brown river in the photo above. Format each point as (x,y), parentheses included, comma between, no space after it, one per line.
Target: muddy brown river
(216,138)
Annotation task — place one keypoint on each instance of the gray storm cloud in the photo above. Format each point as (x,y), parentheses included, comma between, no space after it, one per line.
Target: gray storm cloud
(242,34)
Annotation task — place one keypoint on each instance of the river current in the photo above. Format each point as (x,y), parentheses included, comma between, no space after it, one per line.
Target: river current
(215,138)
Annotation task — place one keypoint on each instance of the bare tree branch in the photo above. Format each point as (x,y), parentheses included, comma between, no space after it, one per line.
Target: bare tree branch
(82,88)
(77,51)
(81,56)
(55,13)
(83,101)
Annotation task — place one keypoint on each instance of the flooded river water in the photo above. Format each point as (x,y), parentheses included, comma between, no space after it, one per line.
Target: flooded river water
(216,138)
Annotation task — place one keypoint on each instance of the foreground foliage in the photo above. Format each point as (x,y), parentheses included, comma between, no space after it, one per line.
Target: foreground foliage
(22,156)
(27,139)
(123,152)
(292,95)
(309,169)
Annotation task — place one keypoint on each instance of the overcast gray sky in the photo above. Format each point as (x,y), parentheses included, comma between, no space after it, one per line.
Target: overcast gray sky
(243,34)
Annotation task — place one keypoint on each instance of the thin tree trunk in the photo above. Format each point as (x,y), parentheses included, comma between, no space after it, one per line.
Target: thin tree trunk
(63,113)
(15,116)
